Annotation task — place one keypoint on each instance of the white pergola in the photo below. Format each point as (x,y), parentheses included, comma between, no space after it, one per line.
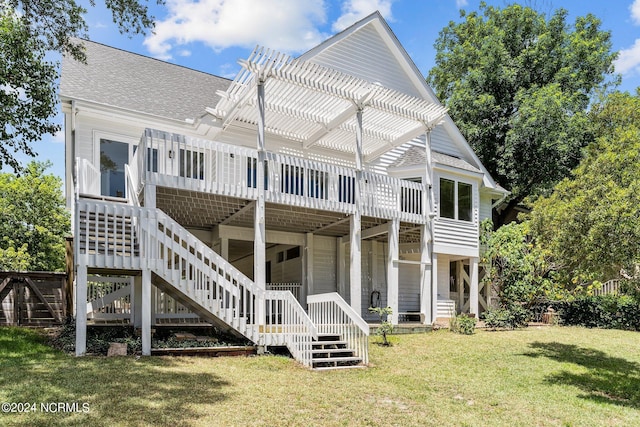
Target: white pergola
(317,106)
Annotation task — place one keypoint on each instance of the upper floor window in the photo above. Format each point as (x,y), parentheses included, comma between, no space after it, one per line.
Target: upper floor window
(456,200)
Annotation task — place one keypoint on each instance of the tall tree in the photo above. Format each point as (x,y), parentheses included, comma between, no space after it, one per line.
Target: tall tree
(519,84)
(29,29)
(591,222)
(33,220)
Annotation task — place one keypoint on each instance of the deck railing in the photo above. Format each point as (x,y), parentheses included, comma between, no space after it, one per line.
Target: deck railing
(610,287)
(294,288)
(332,315)
(288,324)
(88,177)
(177,161)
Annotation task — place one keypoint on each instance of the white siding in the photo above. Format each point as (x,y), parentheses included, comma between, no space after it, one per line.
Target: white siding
(324,264)
(485,207)
(409,285)
(366,55)
(443,277)
(443,143)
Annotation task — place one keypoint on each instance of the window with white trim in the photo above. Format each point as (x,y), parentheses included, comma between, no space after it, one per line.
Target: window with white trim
(456,200)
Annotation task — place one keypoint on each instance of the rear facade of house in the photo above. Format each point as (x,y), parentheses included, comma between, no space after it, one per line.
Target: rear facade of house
(278,206)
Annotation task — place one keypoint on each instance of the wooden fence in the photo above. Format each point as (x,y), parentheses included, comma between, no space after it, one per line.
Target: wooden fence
(32,298)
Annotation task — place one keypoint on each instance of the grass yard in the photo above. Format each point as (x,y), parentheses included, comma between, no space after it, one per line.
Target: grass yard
(533,377)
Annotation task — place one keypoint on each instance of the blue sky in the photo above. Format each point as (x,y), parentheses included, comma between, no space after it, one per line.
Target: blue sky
(211,35)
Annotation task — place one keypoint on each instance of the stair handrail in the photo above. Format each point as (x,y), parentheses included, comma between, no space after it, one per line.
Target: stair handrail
(289,324)
(332,315)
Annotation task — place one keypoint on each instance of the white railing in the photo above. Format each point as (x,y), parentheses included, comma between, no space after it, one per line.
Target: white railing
(294,288)
(288,324)
(108,234)
(88,177)
(131,189)
(109,298)
(177,161)
(610,287)
(332,315)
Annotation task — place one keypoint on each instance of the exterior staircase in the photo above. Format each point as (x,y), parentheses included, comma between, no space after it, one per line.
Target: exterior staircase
(117,236)
(331,352)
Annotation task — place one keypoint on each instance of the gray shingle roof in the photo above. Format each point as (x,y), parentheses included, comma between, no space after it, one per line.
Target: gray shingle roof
(134,82)
(416,156)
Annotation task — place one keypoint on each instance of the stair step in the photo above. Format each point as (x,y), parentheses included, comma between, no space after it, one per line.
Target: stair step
(331,350)
(329,337)
(331,368)
(338,359)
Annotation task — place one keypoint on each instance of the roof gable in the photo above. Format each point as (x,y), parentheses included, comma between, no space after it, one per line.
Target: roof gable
(369,49)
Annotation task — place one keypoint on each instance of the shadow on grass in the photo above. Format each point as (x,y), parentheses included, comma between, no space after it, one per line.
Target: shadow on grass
(608,379)
(122,390)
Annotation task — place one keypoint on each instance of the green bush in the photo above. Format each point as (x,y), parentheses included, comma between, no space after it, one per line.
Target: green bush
(463,324)
(602,311)
(510,317)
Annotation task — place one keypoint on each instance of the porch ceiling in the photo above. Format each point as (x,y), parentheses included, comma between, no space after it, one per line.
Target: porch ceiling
(203,210)
(316,105)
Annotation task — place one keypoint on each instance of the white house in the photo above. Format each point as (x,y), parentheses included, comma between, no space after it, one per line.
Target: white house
(280,205)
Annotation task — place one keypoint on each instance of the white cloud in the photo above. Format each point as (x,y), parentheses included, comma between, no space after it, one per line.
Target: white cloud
(629,59)
(58,137)
(635,11)
(461,3)
(354,10)
(285,25)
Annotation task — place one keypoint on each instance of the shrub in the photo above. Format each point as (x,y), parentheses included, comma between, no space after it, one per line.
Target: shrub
(385,326)
(509,317)
(602,311)
(464,324)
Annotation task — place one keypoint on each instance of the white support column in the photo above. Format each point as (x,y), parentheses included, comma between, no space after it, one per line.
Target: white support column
(81,309)
(259,228)
(341,274)
(460,277)
(307,253)
(355,227)
(146,312)
(473,286)
(426,264)
(434,286)
(428,260)
(355,264)
(136,302)
(392,268)
(149,196)
(224,248)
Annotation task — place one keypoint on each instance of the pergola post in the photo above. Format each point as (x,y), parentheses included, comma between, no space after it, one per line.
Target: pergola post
(428,269)
(259,241)
(392,268)
(355,226)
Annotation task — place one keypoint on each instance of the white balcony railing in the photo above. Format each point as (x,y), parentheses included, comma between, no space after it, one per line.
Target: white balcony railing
(177,161)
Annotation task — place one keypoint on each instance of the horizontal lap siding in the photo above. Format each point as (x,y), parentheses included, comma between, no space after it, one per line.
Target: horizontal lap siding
(409,285)
(324,264)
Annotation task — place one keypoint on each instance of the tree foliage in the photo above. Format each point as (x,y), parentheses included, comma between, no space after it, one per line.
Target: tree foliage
(29,30)
(518,85)
(33,220)
(519,271)
(591,222)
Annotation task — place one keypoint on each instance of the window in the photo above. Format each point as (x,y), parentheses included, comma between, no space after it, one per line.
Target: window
(293,253)
(292,179)
(191,164)
(113,156)
(456,200)
(464,201)
(346,189)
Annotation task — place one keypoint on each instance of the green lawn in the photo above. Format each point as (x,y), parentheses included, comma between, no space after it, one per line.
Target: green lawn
(533,377)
